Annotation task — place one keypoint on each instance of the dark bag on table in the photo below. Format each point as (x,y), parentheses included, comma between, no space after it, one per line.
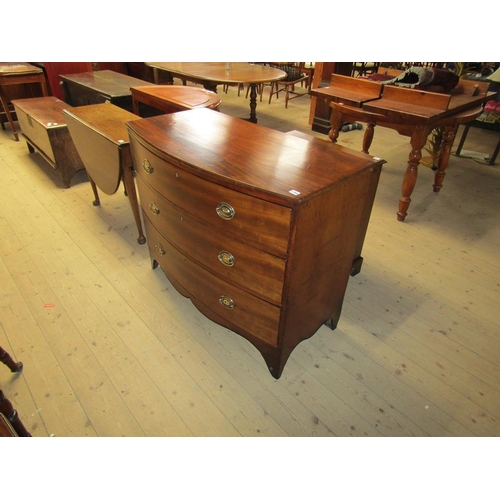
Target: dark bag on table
(417,77)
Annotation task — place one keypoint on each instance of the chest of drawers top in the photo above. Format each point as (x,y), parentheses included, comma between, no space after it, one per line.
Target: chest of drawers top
(254,160)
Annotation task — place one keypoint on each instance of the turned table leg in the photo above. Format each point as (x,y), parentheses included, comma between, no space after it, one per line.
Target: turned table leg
(253,102)
(368,137)
(8,410)
(418,139)
(444,156)
(335,122)
(6,359)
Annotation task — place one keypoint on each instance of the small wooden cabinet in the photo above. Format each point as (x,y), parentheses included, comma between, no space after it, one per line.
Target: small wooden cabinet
(43,125)
(258,228)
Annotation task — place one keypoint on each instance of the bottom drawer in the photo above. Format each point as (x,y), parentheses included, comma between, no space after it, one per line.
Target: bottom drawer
(240,308)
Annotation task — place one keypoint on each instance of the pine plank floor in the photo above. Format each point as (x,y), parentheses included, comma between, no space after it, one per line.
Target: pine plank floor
(111,349)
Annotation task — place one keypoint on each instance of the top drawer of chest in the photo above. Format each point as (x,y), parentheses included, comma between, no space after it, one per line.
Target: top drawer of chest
(257,222)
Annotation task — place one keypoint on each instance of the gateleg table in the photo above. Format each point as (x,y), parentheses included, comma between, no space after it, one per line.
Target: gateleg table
(101,138)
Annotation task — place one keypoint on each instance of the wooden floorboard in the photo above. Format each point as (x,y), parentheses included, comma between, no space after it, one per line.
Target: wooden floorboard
(110,348)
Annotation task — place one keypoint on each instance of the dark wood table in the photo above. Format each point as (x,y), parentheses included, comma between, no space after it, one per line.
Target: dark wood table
(211,74)
(412,113)
(172,98)
(100,135)
(97,87)
(18,74)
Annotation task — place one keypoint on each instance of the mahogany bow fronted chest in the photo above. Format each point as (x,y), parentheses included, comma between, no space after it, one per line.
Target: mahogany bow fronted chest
(258,228)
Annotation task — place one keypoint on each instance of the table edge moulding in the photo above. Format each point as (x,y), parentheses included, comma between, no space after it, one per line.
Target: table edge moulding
(258,228)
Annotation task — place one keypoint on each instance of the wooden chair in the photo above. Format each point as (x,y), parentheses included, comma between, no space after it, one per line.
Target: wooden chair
(10,424)
(308,69)
(239,86)
(364,68)
(295,75)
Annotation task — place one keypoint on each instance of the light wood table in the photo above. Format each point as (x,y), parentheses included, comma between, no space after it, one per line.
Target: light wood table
(100,135)
(412,113)
(172,98)
(211,74)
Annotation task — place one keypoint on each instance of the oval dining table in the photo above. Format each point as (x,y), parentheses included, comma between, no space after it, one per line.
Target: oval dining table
(211,74)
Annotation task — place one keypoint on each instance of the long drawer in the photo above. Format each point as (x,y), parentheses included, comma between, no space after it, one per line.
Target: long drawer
(263,224)
(227,301)
(247,267)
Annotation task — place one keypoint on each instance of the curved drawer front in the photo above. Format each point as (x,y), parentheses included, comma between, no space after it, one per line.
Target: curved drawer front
(225,300)
(249,268)
(262,224)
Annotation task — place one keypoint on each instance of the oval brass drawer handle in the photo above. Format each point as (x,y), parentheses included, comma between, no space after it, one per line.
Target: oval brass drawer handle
(154,208)
(225,211)
(226,258)
(160,249)
(226,301)
(148,168)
